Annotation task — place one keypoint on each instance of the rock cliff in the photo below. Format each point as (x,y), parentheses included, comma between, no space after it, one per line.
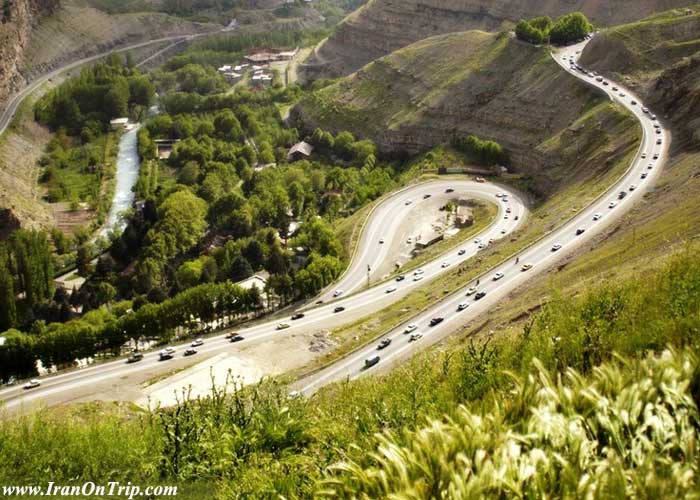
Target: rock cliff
(382,26)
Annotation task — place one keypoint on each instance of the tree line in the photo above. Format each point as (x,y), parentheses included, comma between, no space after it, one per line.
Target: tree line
(567,29)
(480,151)
(106,330)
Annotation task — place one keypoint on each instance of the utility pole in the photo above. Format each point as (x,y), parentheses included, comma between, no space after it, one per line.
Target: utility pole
(369,270)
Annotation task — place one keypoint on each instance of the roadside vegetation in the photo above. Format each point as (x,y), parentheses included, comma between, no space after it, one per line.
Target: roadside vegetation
(567,29)
(528,398)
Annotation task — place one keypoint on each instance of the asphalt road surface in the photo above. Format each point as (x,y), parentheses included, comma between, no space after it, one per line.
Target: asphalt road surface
(81,383)
(500,281)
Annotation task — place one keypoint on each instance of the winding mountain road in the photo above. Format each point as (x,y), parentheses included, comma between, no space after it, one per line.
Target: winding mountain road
(455,309)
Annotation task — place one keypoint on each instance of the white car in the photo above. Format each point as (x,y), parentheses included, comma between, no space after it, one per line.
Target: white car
(445,264)
(391,289)
(613,204)
(526,267)
(418,272)
(477,241)
(645,110)
(498,276)
(197,343)
(556,247)
(463,306)
(408,202)
(410,328)
(409,240)
(337,293)
(32,384)
(482,246)
(418,277)
(283,326)
(471,291)
(499,195)
(597,216)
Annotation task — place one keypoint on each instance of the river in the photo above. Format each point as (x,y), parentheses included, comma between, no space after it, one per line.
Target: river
(127,174)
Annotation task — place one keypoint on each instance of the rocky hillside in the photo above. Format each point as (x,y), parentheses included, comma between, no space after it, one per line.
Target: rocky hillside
(17,18)
(474,83)
(660,57)
(383,26)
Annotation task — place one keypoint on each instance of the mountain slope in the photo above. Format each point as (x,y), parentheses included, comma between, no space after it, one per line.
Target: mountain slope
(476,83)
(383,26)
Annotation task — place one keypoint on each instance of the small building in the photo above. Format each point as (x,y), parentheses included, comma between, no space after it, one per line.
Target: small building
(225,68)
(164,147)
(233,77)
(464,217)
(300,151)
(428,240)
(119,123)
(258,280)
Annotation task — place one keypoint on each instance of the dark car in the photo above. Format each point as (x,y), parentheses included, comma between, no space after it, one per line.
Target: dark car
(190,352)
(479,295)
(339,309)
(580,231)
(135,356)
(370,362)
(426,196)
(230,335)
(237,338)
(436,321)
(297,316)
(400,278)
(449,190)
(622,195)
(384,344)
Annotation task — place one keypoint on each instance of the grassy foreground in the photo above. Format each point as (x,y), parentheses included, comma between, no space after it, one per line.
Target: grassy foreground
(550,412)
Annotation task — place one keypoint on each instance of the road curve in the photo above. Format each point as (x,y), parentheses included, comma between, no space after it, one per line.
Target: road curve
(97,379)
(503,279)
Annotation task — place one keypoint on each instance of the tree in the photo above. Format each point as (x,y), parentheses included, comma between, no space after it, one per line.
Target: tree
(240,269)
(570,28)
(528,33)
(8,308)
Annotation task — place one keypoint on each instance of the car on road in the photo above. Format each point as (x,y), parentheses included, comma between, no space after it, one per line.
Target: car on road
(659,142)
(612,204)
(526,267)
(622,195)
(418,272)
(615,89)
(337,293)
(645,110)
(471,291)
(445,265)
(656,156)
(409,240)
(190,352)
(381,241)
(449,190)
(283,326)
(597,216)
(391,289)
(400,277)
(633,187)
(297,316)
(580,231)
(480,180)
(479,295)
(498,276)
(556,247)
(408,202)
(644,156)
(32,384)
(462,306)
(426,196)
(622,94)
(499,195)
(134,357)
(338,309)
(384,344)
(599,78)
(482,246)
(166,353)
(370,362)
(461,252)
(230,335)
(650,166)
(237,338)
(415,336)
(644,175)
(508,210)
(410,328)
(658,131)
(633,103)
(418,277)
(503,231)
(653,117)
(197,343)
